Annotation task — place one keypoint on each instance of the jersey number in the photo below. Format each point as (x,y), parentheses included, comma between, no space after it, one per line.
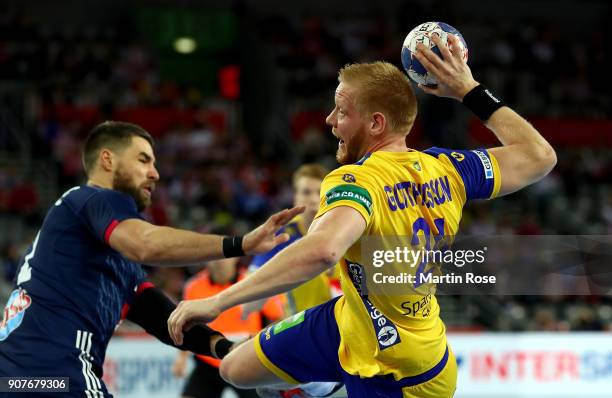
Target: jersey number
(25,273)
(420,225)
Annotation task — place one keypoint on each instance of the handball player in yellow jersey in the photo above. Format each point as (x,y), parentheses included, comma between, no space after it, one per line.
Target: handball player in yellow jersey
(369,342)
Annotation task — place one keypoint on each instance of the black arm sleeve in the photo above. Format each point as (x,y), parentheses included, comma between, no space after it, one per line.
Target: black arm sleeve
(151,309)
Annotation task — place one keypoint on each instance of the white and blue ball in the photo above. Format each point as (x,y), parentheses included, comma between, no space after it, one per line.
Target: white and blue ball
(423,34)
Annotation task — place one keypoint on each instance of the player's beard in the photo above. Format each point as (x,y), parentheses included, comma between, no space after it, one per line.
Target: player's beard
(352,151)
(123,183)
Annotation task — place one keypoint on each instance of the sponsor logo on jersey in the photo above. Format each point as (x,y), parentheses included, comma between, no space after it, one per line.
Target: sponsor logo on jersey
(14,312)
(349,178)
(416,166)
(351,193)
(486,164)
(386,332)
(387,336)
(458,156)
(355,272)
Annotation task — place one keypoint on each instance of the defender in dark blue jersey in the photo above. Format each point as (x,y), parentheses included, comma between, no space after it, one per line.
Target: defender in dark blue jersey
(83,271)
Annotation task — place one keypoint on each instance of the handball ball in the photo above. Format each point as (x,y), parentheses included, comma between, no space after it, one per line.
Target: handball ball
(423,34)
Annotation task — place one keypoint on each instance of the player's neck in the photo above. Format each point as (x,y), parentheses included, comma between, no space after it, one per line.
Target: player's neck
(97,180)
(389,143)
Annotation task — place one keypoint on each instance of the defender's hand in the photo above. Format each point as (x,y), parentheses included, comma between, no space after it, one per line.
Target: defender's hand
(452,72)
(189,313)
(263,238)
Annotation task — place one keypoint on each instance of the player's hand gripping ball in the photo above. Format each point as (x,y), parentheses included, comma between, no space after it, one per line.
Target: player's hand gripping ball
(423,34)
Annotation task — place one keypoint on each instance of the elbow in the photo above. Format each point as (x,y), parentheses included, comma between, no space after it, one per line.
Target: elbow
(547,158)
(141,254)
(145,251)
(329,255)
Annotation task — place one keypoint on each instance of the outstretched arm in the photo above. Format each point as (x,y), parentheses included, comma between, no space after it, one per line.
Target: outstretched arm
(329,237)
(143,242)
(525,156)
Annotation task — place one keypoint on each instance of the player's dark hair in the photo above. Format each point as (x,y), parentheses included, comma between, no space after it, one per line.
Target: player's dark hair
(112,135)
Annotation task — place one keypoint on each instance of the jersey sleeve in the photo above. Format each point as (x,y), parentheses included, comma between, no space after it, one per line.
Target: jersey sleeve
(478,169)
(104,210)
(345,188)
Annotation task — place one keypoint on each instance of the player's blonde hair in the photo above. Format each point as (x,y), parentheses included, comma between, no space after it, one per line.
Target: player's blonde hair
(312,170)
(382,87)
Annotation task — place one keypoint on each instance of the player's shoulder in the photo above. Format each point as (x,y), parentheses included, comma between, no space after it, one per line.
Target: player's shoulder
(438,152)
(361,172)
(457,155)
(449,159)
(83,193)
(97,195)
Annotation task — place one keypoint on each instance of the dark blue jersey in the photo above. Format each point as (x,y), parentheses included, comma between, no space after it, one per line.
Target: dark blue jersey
(70,289)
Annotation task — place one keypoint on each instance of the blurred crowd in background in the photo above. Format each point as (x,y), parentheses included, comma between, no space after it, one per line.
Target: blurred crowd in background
(226,156)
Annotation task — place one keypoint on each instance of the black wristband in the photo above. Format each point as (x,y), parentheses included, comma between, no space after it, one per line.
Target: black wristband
(232,246)
(222,348)
(481,102)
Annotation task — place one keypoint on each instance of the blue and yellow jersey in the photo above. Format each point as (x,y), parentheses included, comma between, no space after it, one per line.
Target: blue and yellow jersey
(414,194)
(314,292)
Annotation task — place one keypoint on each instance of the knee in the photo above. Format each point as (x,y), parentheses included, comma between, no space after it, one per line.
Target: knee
(224,369)
(230,372)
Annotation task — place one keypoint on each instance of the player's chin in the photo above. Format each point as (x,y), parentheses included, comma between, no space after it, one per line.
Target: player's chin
(342,156)
(143,202)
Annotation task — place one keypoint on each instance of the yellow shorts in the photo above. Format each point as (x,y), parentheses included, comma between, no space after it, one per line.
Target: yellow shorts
(304,348)
(441,386)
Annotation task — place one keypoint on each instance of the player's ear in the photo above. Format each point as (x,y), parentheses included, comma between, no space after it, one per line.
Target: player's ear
(378,123)
(106,160)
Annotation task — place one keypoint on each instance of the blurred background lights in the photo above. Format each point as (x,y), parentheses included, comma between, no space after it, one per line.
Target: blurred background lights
(185,45)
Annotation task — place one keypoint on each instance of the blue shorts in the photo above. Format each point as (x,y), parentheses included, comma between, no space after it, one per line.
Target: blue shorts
(304,348)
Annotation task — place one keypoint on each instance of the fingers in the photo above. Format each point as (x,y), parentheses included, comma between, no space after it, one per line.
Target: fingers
(444,50)
(433,63)
(428,59)
(171,323)
(455,48)
(282,238)
(291,213)
(175,324)
(283,217)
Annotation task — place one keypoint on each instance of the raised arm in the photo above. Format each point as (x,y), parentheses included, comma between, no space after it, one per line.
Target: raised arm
(525,156)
